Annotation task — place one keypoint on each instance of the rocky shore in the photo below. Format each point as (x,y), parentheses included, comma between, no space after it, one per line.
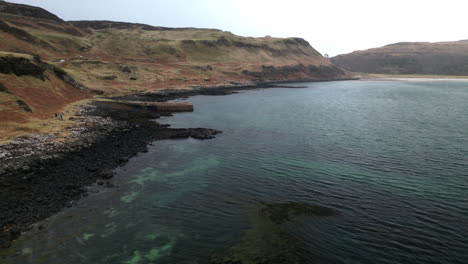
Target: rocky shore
(39,176)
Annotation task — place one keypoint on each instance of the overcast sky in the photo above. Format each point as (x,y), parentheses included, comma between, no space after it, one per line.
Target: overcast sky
(331,26)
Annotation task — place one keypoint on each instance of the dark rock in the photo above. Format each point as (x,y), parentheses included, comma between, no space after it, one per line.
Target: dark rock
(125,68)
(280,213)
(189,42)
(106,174)
(20,66)
(6,236)
(173,106)
(203,68)
(133,76)
(92,169)
(15,231)
(296,41)
(209,43)
(71,81)
(204,133)
(108,77)
(5,240)
(24,105)
(85,48)
(3,89)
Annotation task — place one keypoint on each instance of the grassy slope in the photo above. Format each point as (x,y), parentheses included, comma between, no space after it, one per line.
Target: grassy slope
(441,58)
(43,98)
(169,58)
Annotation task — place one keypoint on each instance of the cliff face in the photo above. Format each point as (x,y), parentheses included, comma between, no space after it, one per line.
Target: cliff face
(441,58)
(116,58)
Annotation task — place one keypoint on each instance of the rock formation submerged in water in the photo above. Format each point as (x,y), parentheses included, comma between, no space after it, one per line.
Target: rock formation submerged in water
(267,241)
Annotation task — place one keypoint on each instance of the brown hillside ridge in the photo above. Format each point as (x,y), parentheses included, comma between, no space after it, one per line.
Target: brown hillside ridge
(118,59)
(440,58)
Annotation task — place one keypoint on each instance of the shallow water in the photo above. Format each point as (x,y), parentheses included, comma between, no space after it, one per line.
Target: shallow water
(389,156)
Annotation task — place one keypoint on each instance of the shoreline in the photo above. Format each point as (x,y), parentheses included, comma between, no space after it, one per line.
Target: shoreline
(411,77)
(35,187)
(417,79)
(40,177)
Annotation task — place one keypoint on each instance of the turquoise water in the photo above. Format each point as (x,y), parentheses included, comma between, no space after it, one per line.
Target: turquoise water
(389,156)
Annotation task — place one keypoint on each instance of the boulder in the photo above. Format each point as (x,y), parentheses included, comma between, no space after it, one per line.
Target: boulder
(125,68)
(106,174)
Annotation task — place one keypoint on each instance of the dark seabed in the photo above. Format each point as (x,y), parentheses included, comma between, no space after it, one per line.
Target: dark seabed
(391,157)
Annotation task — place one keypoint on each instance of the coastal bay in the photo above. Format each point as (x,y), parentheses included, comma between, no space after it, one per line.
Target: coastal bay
(386,156)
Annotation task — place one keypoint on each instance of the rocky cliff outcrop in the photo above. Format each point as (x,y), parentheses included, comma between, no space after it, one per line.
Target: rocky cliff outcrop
(21,66)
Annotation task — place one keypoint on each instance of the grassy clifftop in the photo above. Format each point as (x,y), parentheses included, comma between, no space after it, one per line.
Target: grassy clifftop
(440,58)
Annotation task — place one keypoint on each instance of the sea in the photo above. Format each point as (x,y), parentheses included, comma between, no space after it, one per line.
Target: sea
(389,156)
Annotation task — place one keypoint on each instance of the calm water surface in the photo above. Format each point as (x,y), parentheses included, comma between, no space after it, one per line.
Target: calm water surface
(389,156)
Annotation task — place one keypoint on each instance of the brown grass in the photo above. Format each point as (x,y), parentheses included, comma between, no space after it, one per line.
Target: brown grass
(58,127)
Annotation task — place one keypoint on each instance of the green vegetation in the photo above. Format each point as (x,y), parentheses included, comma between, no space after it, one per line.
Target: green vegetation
(16,55)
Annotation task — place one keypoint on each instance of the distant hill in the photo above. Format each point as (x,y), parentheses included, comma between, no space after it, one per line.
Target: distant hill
(440,58)
(118,58)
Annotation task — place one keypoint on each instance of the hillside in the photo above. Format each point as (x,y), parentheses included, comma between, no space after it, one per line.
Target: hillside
(440,58)
(116,58)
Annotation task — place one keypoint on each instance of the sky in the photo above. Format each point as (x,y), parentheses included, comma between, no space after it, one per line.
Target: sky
(331,26)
